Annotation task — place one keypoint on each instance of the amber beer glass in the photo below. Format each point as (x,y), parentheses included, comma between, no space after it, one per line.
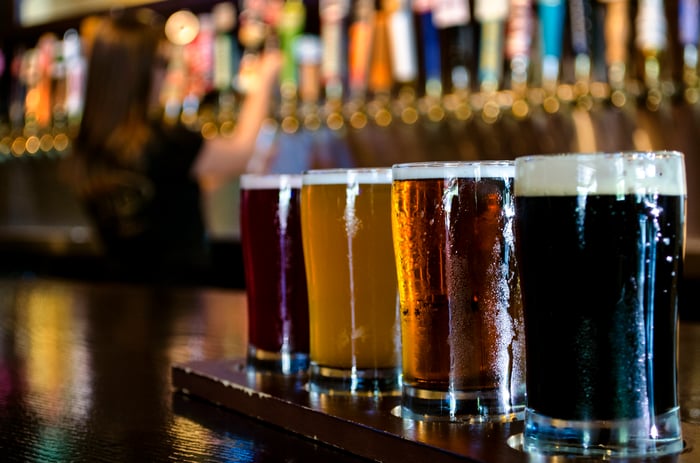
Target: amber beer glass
(353,308)
(600,243)
(273,256)
(461,318)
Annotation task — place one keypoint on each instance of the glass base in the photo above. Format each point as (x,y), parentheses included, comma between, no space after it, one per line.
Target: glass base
(370,381)
(464,406)
(660,435)
(277,362)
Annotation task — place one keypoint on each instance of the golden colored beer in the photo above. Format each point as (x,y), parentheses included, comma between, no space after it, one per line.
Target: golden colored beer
(351,277)
(461,317)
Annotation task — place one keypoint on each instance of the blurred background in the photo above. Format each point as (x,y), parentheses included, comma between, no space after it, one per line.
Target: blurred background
(365,83)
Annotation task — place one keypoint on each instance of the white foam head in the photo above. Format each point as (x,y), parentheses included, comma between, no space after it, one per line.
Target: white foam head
(456,169)
(600,173)
(269,181)
(347,176)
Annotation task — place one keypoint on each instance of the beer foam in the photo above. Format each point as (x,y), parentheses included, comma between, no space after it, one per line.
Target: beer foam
(346,176)
(438,170)
(269,181)
(600,173)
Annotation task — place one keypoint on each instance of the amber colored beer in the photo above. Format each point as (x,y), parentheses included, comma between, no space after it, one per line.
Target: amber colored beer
(351,278)
(461,317)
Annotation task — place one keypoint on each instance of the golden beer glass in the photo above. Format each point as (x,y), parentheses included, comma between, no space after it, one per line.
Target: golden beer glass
(351,279)
(461,315)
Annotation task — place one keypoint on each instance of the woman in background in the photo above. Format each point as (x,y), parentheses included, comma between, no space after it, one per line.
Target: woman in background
(138,178)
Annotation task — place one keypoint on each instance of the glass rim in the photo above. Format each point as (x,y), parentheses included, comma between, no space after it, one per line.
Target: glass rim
(251,181)
(490,162)
(454,169)
(625,154)
(341,176)
(613,173)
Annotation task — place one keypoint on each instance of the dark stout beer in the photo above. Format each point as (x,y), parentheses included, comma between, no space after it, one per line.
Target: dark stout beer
(600,242)
(600,295)
(461,318)
(278,321)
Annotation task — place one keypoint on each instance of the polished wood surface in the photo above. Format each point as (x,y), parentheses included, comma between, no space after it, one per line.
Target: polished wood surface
(85,375)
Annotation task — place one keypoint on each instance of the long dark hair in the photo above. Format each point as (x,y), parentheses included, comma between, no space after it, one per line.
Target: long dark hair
(115,125)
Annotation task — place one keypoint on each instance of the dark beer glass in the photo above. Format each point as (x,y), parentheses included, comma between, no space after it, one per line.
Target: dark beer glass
(273,256)
(461,318)
(600,242)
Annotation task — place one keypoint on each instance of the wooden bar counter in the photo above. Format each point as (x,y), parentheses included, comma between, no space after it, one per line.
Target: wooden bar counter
(94,371)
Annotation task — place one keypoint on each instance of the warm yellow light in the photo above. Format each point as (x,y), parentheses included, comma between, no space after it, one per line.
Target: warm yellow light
(182,27)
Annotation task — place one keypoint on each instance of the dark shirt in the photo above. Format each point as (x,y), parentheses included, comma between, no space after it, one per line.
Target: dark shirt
(150,221)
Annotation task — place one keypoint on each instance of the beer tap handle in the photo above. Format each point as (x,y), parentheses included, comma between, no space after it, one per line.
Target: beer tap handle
(402,42)
(551,14)
(517,51)
(599,70)
(360,39)
(518,42)
(290,26)
(688,17)
(333,16)
(453,20)
(308,58)
(650,26)
(429,52)
(492,15)
(617,34)
(581,23)
(380,80)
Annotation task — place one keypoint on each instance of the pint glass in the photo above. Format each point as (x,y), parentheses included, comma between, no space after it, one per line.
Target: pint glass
(600,242)
(461,316)
(353,308)
(278,320)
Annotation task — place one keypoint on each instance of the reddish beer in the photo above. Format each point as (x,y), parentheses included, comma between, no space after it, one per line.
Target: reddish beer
(278,320)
